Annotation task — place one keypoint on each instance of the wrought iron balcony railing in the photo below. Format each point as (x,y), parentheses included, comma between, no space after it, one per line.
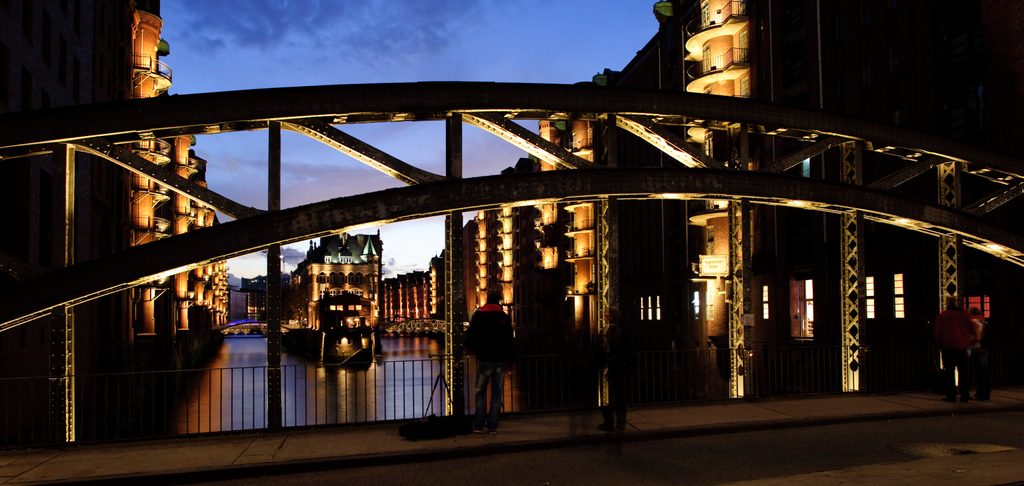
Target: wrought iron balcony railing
(722,62)
(728,12)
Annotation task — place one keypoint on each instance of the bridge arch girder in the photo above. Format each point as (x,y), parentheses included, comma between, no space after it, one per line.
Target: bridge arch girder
(209,113)
(136,265)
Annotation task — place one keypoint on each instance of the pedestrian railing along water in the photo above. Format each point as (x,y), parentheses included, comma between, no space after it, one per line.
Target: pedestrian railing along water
(128,406)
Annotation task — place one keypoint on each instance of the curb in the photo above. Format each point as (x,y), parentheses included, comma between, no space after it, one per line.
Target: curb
(385,459)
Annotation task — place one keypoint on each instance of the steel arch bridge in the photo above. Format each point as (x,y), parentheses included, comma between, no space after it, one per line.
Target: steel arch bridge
(103,129)
(656,117)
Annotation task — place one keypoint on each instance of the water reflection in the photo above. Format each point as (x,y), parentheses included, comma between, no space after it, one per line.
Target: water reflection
(230,393)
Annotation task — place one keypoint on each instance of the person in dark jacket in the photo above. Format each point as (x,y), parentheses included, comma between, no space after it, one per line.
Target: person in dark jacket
(979,357)
(954,333)
(490,338)
(614,356)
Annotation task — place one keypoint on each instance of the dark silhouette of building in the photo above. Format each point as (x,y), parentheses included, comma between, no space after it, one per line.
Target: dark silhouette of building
(947,68)
(65,53)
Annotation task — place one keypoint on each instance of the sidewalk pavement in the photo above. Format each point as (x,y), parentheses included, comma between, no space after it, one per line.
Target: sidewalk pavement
(292,451)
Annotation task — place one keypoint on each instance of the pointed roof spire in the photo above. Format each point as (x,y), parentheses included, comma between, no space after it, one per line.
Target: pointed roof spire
(369,249)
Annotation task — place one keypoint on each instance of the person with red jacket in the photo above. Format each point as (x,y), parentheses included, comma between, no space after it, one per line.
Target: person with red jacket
(490,338)
(954,333)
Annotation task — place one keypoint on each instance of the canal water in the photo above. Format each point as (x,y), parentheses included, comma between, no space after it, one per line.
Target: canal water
(230,392)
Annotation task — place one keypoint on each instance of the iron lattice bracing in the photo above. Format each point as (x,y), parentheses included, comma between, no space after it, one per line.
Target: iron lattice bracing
(95,278)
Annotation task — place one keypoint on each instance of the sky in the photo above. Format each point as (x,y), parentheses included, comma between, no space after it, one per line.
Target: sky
(226,45)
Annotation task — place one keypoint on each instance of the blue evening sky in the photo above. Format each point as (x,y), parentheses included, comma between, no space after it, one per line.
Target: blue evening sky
(224,45)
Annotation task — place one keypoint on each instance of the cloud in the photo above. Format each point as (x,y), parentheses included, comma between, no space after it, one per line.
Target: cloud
(374,31)
(396,270)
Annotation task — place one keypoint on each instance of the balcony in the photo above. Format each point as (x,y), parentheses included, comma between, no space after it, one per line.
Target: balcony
(580,226)
(157,151)
(588,289)
(574,255)
(572,207)
(150,228)
(157,195)
(192,167)
(727,66)
(162,227)
(153,68)
(727,20)
(730,12)
(712,210)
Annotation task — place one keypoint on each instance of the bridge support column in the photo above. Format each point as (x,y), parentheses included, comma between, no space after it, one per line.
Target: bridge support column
(62,327)
(739,251)
(607,274)
(274,283)
(950,247)
(852,284)
(455,296)
(739,263)
(607,244)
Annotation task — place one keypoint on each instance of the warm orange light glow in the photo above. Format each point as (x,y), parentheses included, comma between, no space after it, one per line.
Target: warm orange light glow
(549,257)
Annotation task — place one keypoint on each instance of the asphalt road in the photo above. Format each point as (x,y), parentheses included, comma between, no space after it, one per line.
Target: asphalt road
(712,459)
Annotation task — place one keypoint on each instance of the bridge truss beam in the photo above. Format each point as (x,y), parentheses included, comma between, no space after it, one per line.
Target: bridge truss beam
(905,174)
(532,143)
(127,159)
(791,160)
(251,109)
(996,200)
(325,133)
(671,144)
(102,276)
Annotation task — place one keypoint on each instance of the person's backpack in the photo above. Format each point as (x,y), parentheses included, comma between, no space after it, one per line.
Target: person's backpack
(435,427)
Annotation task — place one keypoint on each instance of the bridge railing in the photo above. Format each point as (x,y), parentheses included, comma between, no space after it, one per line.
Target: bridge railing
(129,406)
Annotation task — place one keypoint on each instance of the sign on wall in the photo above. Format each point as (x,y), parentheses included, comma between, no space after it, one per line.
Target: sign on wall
(714,265)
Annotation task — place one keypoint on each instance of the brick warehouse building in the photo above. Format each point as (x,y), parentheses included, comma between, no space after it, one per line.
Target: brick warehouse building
(75,52)
(948,70)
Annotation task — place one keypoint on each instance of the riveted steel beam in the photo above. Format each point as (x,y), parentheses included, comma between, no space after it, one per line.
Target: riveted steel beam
(950,246)
(905,174)
(273,290)
(238,110)
(125,158)
(62,375)
(661,138)
(530,142)
(739,215)
(455,294)
(998,198)
(327,134)
(102,276)
(851,283)
(792,160)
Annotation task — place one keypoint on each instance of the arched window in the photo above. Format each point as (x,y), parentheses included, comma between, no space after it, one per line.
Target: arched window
(322,278)
(355,278)
(337,278)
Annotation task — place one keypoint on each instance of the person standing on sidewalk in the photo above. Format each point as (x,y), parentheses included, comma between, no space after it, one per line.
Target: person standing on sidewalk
(490,338)
(614,356)
(954,334)
(979,357)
